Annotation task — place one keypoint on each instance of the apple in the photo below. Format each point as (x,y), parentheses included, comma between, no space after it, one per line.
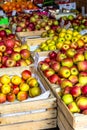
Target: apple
(60,56)
(55,66)
(59,45)
(80,43)
(2,98)
(64,72)
(8,51)
(82,103)
(33,82)
(84,90)
(84,112)
(70,52)
(34,91)
(85,54)
(53,78)
(82,66)
(25,54)
(44,66)
(66,83)
(83,80)
(3,33)
(70,17)
(16,56)
(83,73)
(2,47)
(16,80)
(61,39)
(52,55)
(65,90)
(68,36)
(21,62)
(73,107)
(10,43)
(78,57)
(48,72)
(75,91)
(74,45)
(73,79)
(65,47)
(3,59)
(47,60)
(10,97)
(10,62)
(15,89)
(5,89)
(5,79)
(24,87)
(22,96)
(67,98)
(24,46)
(26,74)
(74,70)
(67,62)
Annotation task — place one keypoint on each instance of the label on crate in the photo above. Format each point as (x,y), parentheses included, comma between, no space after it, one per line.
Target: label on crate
(13,12)
(83,32)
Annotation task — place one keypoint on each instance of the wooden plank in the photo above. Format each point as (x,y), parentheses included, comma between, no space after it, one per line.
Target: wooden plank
(30,33)
(43,124)
(28,116)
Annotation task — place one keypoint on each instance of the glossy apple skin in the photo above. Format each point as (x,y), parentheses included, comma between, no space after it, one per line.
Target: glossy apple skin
(10,97)
(82,66)
(53,78)
(73,107)
(84,90)
(15,89)
(44,66)
(49,72)
(75,91)
(78,57)
(55,66)
(73,79)
(26,74)
(67,62)
(2,98)
(22,96)
(82,103)
(25,54)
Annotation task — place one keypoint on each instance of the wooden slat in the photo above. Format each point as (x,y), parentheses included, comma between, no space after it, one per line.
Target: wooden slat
(21,117)
(44,124)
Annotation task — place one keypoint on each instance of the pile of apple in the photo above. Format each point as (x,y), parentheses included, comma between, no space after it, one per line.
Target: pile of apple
(78,23)
(66,39)
(68,69)
(19,88)
(34,21)
(12,52)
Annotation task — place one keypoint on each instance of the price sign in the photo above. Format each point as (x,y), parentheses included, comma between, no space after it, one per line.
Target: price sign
(83,32)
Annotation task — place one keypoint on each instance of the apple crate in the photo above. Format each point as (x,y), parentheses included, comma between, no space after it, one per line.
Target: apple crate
(30,34)
(66,120)
(36,113)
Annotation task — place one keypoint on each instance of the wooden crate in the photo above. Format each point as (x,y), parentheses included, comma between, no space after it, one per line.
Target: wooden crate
(68,121)
(27,115)
(30,34)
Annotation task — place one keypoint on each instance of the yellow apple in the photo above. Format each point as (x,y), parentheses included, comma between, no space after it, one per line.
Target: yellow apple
(5,79)
(35,91)
(24,87)
(33,82)
(25,46)
(5,89)
(16,80)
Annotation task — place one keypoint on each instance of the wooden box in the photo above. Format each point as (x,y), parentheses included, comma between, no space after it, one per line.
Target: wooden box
(68,121)
(28,115)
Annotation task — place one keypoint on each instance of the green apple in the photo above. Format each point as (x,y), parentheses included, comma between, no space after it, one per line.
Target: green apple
(74,39)
(59,45)
(67,98)
(51,47)
(62,34)
(61,39)
(70,52)
(70,17)
(83,80)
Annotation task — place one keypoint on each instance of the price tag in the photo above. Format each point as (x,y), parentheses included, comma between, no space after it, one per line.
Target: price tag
(14,28)
(67,26)
(13,12)
(62,23)
(83,32)
(1,13)
(36,60)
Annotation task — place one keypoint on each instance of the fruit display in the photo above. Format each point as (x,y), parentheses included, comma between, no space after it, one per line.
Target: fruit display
(77,23)
(68,69)
(64,40)
(12,52)
(31,22)
(18,88)
(18,6)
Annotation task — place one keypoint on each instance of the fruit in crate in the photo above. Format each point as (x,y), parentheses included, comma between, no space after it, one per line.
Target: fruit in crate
(19,88)
(68,41)
(13,52)
(34,21)
(71,76)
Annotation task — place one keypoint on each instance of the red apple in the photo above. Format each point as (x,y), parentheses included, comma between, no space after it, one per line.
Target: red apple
(10,97)
(22,96)
(3,33)
(60,56)
(73,79)
(8,51)
(26,74)
(82,103)
(55,66)
(44,66)
(48,72)
(75,91)
(25,54)
(84,90)
(9,43)
(10,62)
(53,78)
(15,89)
(67,62)
(78,57)
(82,66)
(52,55)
